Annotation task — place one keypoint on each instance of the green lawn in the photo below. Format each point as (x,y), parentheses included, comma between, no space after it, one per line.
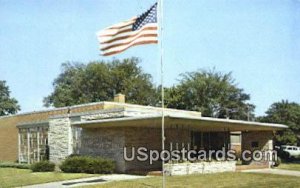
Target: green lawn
(229,180)
(12,177)
(290,166)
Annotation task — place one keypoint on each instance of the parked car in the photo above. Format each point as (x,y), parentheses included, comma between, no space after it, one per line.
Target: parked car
(290,151)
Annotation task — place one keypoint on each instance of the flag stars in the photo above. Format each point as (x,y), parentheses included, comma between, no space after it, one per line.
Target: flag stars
(148,17)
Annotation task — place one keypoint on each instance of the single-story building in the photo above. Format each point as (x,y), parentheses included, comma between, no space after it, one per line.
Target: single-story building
(106,128)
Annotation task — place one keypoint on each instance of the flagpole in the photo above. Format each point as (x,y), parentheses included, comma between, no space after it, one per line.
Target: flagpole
(162,88)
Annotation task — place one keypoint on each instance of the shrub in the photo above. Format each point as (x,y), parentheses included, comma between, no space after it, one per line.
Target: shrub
(102,166)
(43,166)
(14,165)
(76,164)
(87,164)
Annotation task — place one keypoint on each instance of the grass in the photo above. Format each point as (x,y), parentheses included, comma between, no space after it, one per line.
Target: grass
(290,166)
(220,180)
(13,177)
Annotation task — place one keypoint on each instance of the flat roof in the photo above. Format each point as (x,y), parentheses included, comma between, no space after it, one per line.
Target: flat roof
(175,121)
(116,104)
(149,116)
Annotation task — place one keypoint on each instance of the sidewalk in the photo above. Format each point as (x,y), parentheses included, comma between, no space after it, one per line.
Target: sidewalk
(87,181)
(275,171)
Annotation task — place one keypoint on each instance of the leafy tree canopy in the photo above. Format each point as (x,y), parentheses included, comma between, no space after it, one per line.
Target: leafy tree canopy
(213,93)
(287,113)
(8,105)
(99,81)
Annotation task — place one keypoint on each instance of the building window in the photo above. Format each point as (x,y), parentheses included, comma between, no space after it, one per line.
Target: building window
(33,144)
(23,146)
(235,138)
(76,132)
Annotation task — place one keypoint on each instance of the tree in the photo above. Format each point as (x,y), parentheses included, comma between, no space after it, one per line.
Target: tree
(99,81)
(8,105)
(287,113)
(213,93)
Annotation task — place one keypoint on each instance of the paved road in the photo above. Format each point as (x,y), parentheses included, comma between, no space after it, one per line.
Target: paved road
(275,171)
(87,181)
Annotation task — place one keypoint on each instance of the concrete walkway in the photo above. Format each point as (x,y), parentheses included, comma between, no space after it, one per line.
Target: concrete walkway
(87,181)
(275,171)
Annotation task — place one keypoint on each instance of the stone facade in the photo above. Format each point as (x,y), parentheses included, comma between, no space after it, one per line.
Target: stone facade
(102,115)
(105,142)
(110,143)
(200,168)
(59,139)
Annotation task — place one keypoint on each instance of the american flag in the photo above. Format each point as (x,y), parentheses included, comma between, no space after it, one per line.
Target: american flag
(135,31)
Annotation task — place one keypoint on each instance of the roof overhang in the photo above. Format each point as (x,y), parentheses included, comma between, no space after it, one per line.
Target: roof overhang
(33,124)
(192,123)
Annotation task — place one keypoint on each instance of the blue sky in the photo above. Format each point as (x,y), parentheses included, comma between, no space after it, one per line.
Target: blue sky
(258,40)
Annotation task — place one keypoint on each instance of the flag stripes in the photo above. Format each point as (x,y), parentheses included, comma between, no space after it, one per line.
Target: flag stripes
(135,31)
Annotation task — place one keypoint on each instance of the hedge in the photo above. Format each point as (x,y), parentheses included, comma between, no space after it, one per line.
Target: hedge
(43,166)
(14,165)
(87,164)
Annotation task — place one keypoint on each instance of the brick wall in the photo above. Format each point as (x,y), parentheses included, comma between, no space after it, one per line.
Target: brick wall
(9,131)
(149,138)
(8,139)
(263,139)
(257,140)
(177,137)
